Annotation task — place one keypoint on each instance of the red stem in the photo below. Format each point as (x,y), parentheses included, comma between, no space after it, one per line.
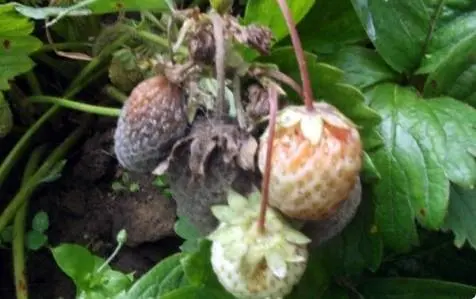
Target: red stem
(306,82)
(273,109)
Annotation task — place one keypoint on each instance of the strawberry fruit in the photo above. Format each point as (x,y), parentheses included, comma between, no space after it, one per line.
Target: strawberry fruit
(253,264)
(316,160)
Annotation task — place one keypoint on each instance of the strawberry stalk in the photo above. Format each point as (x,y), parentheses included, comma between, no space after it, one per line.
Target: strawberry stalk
(273,109)
(296,41)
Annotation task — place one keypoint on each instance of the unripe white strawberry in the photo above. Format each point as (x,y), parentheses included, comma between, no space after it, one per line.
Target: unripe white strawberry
(253,264)
(316,160)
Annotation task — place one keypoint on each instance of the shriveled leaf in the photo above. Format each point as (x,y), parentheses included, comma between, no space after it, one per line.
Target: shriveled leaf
(425,145)
(412,288)
(330,25)
(357,248)
(461,216)
(362,67)
(16,44)
(398,29)
(450,60)
(268,13)
(149,285)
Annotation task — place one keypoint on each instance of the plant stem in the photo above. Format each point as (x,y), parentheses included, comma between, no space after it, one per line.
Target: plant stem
(219,61)
(18,243)
(301,59)
(29,187)
(105,111)
(33,82)
(115,93)
(111,257)
(277,75)
(273,109)
(62,46)
(150,16)
(80,81)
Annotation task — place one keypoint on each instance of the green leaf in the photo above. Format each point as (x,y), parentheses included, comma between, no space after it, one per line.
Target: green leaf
(41,222)
(362,67)
(410,288)
(198,268)
(174,280)
(461,216)
(330,25)
(107,6)
(314,281)
(187,231)
(93,7)
(76,262)
(413,179)
(150,284)
(426,143)
(16,45)
(196,292)
(82,267)
(268,13)
(398,29)
(35,240)
(326,83)
(335,292)
(6,117)
(357,247)
(451,62)
(369,171)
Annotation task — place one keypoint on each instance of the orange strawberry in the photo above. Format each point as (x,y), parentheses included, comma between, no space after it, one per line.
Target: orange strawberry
(316,159)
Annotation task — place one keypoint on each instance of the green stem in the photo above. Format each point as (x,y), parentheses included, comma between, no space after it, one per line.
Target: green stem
(111,257)
(32,183)
(115,93)
(62,46)
(150,16)
(159,40)
(105,111)
(18,243)
(33,82)
(87,71)
(81,80)
(54,64)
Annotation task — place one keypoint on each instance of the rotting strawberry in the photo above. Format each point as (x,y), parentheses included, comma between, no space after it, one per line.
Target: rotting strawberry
(152,119)
(316,160)
(250,263)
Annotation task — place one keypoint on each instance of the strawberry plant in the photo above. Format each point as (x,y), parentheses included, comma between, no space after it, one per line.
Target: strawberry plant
(305,149)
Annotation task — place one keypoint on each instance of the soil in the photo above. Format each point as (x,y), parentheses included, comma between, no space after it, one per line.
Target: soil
(84,209)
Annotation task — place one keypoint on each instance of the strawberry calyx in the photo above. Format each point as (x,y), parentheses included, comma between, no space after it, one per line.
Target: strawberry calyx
(312,123)
(239,236)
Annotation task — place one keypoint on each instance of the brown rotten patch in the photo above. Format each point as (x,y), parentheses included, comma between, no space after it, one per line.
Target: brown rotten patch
(201,168)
